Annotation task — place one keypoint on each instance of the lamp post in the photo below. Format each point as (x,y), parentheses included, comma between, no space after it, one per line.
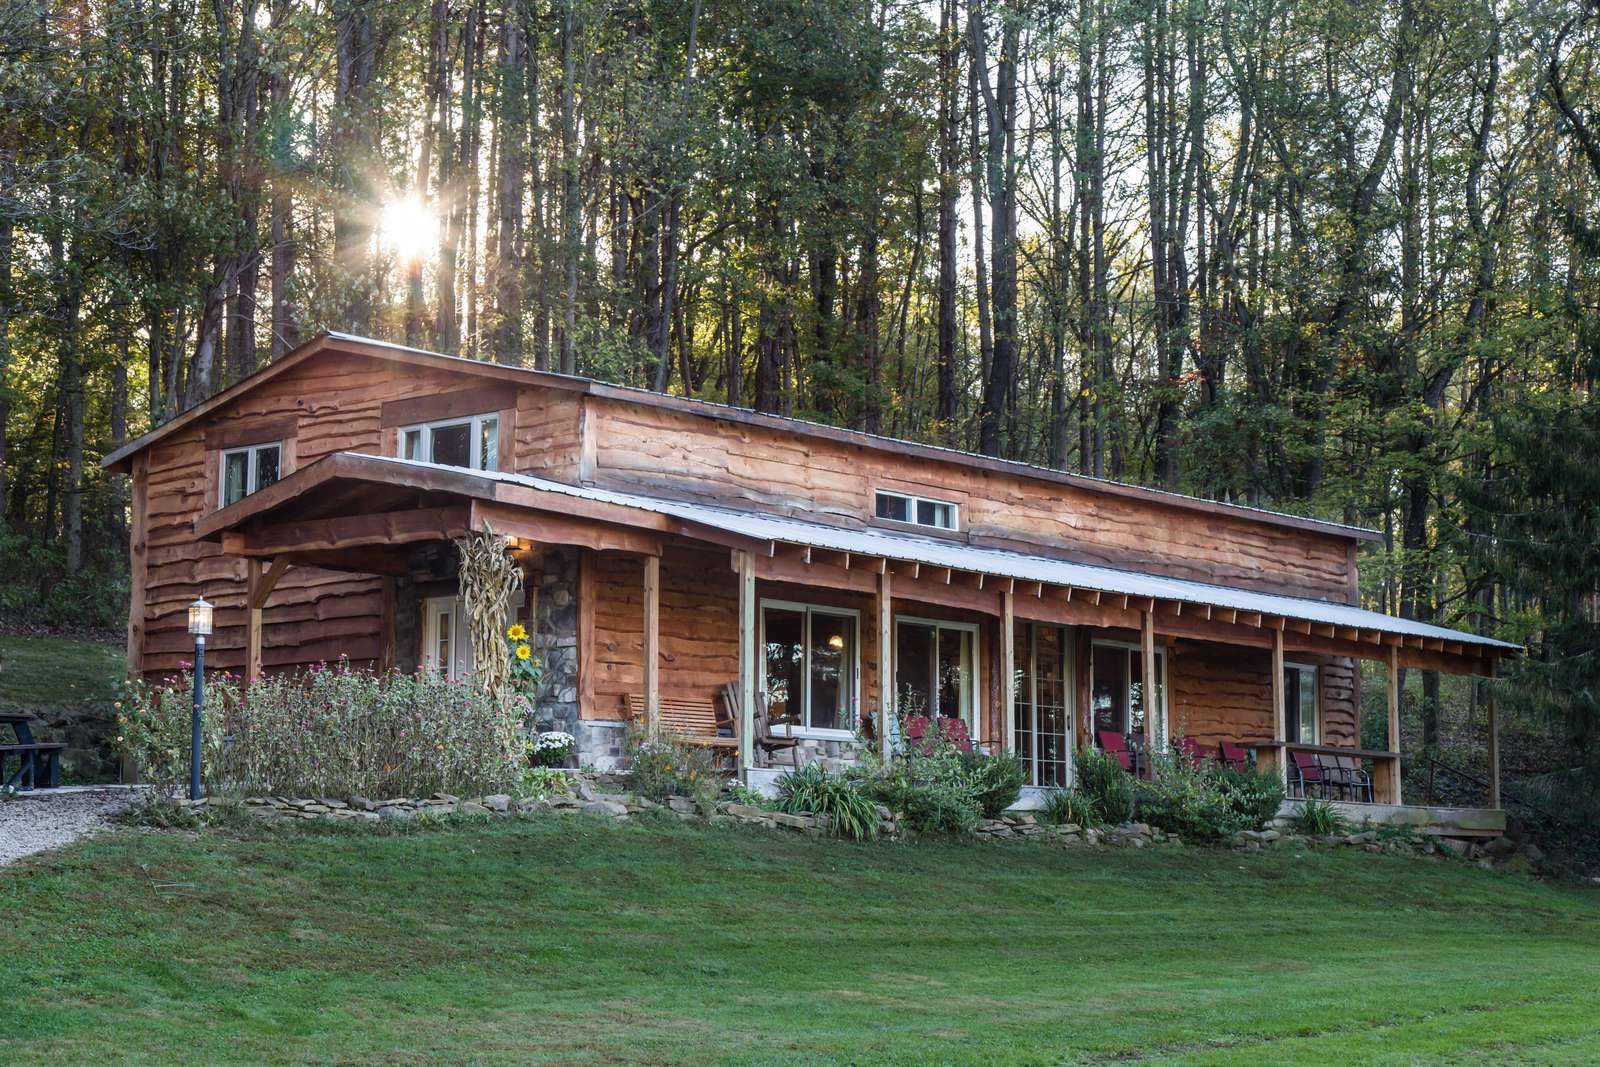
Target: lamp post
(200,626)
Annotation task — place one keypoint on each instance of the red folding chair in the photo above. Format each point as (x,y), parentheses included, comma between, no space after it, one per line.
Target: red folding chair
(955,732)
(1115,744)
(1193,751)
(1233,756)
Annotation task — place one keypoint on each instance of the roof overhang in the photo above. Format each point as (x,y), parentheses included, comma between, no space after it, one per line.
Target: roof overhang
(347,344)
(348,510)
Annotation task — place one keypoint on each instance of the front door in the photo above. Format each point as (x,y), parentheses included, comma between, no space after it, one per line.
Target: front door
(446,637)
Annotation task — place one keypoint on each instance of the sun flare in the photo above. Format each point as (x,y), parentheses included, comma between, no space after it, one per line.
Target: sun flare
(408,228)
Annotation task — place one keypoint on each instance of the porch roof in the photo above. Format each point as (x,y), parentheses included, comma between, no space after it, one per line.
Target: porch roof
(768,531)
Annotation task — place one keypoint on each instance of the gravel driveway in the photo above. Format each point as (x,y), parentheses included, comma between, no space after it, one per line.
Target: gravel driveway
(37,821)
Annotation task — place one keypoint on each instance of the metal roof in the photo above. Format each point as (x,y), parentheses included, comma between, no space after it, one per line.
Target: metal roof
(1003,563)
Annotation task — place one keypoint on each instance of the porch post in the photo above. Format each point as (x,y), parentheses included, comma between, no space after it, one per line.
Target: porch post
(1494,737)
(652,641)
(1008,669)
(252,624)
(1394,723)
(886,716)
(745,565)
(1277,707)
(1154,729)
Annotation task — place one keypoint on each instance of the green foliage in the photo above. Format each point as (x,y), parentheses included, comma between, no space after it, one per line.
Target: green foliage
(330,731)
(995,781)
(541,781)
(660,766)
(814,790)
(1206,803)
(1319,818)
(1063,806)
(1104,784)
(739,793)
(937,807)
(36,587)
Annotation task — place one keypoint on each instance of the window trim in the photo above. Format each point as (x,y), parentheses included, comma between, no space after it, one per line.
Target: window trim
(912,500)
(252,471)
(806,608)
(974,688)
(474,424)
(1166,683)
(1316,702)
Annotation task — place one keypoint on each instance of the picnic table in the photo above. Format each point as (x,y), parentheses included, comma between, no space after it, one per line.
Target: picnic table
(38,762)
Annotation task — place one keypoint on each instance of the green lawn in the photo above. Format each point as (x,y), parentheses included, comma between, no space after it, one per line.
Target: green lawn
(38,672)
(569,939)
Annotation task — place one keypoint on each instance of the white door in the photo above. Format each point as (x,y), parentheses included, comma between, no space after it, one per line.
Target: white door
(446,637)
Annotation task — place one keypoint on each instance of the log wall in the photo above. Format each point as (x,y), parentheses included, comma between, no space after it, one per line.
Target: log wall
(656,450)
(1224,693)
(330,404)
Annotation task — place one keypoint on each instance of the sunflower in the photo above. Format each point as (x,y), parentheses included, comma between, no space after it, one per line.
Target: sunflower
(523,651)
(517,633)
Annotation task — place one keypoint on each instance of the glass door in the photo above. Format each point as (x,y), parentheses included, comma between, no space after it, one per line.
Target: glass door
(1041,722)
(936,670)
(446,638)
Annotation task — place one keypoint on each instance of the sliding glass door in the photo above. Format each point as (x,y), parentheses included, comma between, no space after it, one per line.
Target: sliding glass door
(936,669)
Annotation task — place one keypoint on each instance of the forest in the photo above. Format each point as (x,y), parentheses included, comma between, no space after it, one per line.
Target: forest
(1334,258)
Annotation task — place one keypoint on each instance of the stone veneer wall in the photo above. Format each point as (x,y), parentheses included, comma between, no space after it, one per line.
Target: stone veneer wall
(554,629)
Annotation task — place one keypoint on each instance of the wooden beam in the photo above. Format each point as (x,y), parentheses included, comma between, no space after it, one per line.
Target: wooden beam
(266,582)
(1154,727)
(1494,737)
(745,564)
(1008,666)
(886,711)
(138,568)
(1282,754)
(349,531)
(553,529)
(652,641)
(252,628)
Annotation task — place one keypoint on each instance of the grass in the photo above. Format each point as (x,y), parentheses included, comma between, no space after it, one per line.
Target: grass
(575,940)
(45,672)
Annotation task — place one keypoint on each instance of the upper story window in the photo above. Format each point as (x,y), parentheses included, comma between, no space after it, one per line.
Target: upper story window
(247,470)
(917,510)
(472,442)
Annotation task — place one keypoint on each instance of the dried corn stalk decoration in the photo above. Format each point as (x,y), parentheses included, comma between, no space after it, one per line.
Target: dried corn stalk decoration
(490,582)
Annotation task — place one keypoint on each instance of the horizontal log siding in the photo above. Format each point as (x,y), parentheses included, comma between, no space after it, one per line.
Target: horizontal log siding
(313,615)
(657,451)
(1223,693)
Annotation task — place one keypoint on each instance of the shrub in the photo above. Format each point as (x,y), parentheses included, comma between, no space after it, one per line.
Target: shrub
(995,781)
(814,790)
(938,808)
(1106,786)
(1319,818)
(330,731)
(543,782)
(1062,806)
(661,767)
(1207,803)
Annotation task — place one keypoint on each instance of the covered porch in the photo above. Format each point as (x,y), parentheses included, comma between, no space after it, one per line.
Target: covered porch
(824,635)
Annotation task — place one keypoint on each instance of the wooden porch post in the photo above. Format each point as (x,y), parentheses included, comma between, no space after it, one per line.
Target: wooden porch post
(1282,753)
(1008,668)
(745,565)
(1153,727)
(1494,737)
(652,641)
(1394,723)
(886,715)
(259,584)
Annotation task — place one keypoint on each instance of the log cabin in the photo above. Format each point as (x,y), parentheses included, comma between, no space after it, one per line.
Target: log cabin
(673,548)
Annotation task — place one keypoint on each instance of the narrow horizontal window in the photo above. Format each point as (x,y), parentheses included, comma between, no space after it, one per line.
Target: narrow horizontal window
(473,443)
(916,510)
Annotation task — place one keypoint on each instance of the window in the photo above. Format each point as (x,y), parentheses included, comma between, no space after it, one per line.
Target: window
(916,510)
(248,470)
(935,670)
(1116,687)
(809,666)
(471,442)
(1300,703)
(446,638)
(1042,718)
